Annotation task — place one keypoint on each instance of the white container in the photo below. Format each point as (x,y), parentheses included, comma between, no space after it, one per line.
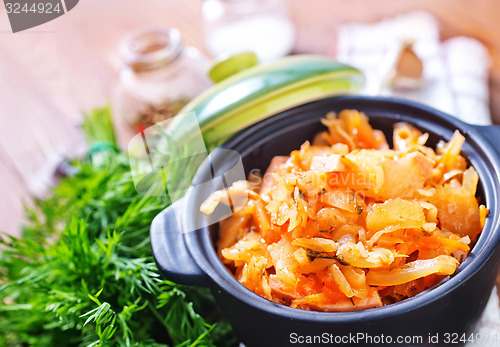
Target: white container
(261,26)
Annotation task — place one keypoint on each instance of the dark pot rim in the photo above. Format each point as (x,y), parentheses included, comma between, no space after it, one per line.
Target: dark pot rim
(479,148)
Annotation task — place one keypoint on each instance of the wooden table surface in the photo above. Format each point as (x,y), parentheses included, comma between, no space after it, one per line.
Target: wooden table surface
(51,74)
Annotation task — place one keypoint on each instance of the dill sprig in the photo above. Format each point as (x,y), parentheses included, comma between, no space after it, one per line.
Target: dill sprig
(83,274)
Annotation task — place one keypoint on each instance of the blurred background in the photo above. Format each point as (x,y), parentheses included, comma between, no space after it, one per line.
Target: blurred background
(50,75)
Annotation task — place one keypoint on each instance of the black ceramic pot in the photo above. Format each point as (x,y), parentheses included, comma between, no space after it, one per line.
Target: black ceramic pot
(453,306)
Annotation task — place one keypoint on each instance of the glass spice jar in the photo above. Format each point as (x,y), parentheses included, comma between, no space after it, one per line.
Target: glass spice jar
(158,77)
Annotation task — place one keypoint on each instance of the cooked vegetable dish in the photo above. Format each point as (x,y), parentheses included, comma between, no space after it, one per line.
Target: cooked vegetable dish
(346,223)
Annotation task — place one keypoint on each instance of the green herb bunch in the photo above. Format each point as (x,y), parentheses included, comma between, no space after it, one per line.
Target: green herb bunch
(83,274)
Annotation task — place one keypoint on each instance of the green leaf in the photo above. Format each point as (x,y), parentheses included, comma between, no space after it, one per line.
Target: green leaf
(83,272)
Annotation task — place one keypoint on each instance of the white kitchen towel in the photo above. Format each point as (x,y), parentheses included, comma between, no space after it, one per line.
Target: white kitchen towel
(455,76)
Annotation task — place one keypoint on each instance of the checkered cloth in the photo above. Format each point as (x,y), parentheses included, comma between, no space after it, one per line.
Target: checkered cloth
(455,76)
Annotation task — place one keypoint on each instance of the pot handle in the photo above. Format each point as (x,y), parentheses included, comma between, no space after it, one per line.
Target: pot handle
(170,252)
(492,134)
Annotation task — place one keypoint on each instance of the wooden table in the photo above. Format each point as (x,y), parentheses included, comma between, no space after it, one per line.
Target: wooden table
(51,74)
